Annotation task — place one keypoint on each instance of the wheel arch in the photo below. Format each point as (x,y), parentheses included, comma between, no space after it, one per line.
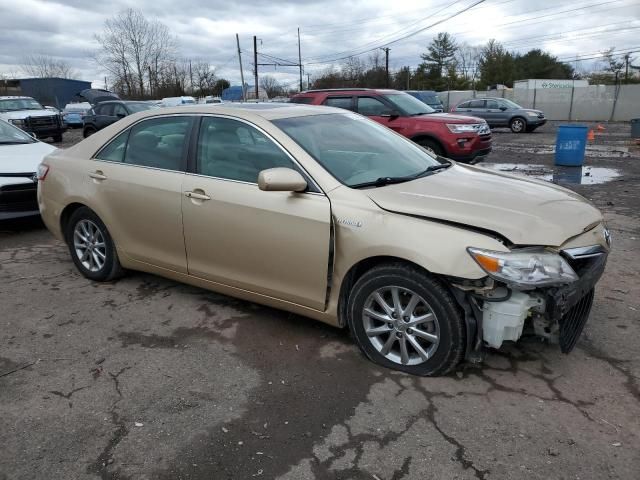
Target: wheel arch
(360,268)
(430,137)
(65,215)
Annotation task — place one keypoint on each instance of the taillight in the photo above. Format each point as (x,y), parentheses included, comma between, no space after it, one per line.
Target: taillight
(42,171)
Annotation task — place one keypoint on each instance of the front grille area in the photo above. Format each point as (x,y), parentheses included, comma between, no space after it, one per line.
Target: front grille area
(19,198)
(572,323)
(41,123)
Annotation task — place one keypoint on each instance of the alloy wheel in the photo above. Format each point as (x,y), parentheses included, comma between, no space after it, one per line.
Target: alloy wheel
(89,245)
(401,325)
(517,125)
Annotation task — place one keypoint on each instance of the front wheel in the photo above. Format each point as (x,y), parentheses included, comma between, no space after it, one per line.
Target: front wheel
(91,246)
(57,138)
(404,319)
(518,125)
(431,146)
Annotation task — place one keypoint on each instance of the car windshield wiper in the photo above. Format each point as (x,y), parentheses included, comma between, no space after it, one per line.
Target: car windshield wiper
(421,113)
(13,142)
(382,181)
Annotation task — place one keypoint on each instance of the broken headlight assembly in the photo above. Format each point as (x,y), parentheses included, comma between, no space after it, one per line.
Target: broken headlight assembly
(524,268)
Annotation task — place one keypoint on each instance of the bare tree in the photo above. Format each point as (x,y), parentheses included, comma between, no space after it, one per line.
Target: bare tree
(467,60)
(204,78)
(132,49)
(43,66)
(612,64)
(271,86)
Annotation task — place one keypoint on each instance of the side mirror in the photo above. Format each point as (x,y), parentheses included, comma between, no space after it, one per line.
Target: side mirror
(121,115)
(393,114)
(33,134)
(503,108)
(281,180)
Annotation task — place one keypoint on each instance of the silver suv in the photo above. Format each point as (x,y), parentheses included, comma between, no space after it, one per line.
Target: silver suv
(500,112)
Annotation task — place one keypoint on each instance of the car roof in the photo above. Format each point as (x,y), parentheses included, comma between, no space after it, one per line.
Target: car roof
(351,89)
(268,111)
(15,97)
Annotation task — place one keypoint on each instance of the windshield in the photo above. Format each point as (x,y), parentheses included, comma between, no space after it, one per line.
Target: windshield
(428,98)
(11,104)
(10,135)
(409,105)
(510,104)
(140,107)
(356,150)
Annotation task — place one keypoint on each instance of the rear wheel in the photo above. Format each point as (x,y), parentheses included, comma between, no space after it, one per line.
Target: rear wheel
(91,246)
(518,125)
(404,319)
(431,146)
(57,138)
(89,131)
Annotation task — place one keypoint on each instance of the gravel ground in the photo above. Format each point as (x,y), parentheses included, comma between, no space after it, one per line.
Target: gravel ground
(145,378)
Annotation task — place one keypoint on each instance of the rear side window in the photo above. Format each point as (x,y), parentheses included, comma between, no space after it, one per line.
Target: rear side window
(158,143)
(463,105)
(476,104)
(119,110)
(339,102)
(114,151)
(105,109)
(233,150)
(305,100)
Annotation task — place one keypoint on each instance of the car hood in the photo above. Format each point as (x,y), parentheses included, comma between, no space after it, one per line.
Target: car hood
(525,211)
(27,113)
(448,118)
(23,158)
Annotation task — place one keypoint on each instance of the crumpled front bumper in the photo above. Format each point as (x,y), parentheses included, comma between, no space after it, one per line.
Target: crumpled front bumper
(570,305)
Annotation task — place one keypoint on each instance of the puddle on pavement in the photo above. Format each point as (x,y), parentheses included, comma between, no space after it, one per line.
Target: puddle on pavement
(584,175)
(594,151)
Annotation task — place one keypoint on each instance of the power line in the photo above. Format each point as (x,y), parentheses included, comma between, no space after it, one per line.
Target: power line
(404,37)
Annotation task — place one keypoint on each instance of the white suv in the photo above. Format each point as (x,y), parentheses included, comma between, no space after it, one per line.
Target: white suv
(30,116)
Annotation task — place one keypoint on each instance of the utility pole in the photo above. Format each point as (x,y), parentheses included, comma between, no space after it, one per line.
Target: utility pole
(299,59)
(190,77)
(308,81)
(386,65)
(408,78)
(150,82)
(255,62)
(240,61)
(626,67)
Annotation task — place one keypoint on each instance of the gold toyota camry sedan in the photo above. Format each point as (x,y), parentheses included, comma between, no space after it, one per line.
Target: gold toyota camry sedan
(329,215)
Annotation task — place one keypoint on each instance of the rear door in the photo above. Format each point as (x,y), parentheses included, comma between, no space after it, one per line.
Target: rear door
(476,108)
(135,186)
(271,243)
(104,115)
(340,101)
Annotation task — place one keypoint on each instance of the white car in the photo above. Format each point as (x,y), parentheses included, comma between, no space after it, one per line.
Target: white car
(178,101)
(20,155)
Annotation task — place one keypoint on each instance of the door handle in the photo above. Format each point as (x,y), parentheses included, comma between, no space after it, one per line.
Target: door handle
(98,175)
(197,195)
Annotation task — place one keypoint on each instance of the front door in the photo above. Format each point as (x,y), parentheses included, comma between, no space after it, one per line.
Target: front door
(379,111)
(272,243)
(135,187)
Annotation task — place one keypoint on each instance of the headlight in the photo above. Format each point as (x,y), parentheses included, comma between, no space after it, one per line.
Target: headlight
(526,267)
(464,127)
(17,121)
(532,114)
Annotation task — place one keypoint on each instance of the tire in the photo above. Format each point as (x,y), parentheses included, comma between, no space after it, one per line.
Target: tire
(88,132)
(518,125)
(444,326)
(101,263)
(431,145)
(57,138)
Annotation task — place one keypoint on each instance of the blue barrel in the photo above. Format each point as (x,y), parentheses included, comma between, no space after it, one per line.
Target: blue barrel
(570,145)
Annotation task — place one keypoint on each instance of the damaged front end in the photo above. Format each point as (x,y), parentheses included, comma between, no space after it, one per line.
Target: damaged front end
(530,290)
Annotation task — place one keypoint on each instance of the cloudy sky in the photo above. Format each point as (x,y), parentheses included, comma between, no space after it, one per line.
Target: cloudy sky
(330,29)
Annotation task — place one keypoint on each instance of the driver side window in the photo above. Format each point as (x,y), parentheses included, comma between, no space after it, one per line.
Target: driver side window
(233,150)
(370,106)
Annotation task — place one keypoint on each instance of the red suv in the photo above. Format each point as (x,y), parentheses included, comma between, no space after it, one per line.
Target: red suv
(454,136)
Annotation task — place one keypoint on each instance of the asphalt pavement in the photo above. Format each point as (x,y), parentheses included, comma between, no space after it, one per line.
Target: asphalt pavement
(145,378)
